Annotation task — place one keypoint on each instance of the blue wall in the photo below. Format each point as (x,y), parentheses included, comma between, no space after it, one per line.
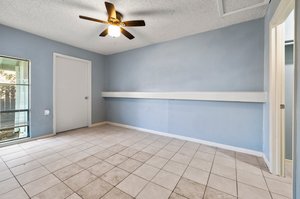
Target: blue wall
(227,59)
(40,51)
(235,124)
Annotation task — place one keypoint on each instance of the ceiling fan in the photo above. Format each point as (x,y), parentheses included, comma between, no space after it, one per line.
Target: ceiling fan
(115,23)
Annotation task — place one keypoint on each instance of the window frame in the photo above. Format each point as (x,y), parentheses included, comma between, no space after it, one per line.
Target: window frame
(28,110)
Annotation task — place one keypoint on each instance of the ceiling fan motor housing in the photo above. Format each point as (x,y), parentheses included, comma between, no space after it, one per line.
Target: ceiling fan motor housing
(116,21)
(116,25)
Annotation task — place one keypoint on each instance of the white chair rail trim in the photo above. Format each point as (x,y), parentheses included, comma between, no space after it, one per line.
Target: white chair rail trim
(255,97)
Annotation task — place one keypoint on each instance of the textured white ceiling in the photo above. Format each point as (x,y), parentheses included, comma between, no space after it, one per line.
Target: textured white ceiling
(232,5)
(165,20)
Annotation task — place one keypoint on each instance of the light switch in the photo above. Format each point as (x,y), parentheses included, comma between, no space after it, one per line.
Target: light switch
(46,112)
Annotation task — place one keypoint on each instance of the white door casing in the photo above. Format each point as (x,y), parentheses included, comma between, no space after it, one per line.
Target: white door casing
(71,93)
(276,87)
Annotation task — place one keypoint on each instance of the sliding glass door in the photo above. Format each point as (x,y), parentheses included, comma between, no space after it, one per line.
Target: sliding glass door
(14,98)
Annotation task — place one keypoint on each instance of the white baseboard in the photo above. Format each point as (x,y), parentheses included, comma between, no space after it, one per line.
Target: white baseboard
(23,140)
(214,144)
(266,161)
(98,124)
(28,139)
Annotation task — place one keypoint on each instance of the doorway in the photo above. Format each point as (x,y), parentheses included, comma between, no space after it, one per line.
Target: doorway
(71,93)
(281,91)
(289,93)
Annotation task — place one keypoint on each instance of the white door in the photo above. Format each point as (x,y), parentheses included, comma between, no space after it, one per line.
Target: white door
(72,93)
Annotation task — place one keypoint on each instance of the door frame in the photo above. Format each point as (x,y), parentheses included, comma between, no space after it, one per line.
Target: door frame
(276,87)
(89,63)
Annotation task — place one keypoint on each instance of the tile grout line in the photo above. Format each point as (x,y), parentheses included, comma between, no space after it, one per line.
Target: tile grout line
(15,179)
(186,166)
(50,173)
(250,184)
(150,181)
(212,164)
(42,165)
(83,169)
(115,166)
(115,186)
(61,181)
(138,150)
(265,180)
(264,177)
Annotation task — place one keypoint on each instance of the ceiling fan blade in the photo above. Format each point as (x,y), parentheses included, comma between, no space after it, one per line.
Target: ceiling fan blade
(111,11)
(92,19)
(104,33)
(127,34)
(134,23)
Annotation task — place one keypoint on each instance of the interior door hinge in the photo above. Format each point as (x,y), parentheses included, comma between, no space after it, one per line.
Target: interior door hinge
(282,106)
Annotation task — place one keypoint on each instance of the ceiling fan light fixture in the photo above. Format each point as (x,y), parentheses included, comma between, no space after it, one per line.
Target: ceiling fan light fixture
(114,31)
(115,23)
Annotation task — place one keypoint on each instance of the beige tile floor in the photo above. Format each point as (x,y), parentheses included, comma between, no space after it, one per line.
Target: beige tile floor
(115,163)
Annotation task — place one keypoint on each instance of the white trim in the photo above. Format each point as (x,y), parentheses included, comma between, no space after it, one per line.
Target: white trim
(23,140)
(272,81)
(89,87)
(257,97)
(275,86)
(98,124)
(29,97)
(53,93)
(281,74)
(28,139)
(214,144)
(224,14)
(266,161)
(90,93)
(282,12)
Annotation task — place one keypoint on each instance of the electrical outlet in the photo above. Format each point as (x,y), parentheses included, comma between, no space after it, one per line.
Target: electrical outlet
(46,112)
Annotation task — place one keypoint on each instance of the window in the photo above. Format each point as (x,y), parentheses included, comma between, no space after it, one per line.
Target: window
(14,98)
